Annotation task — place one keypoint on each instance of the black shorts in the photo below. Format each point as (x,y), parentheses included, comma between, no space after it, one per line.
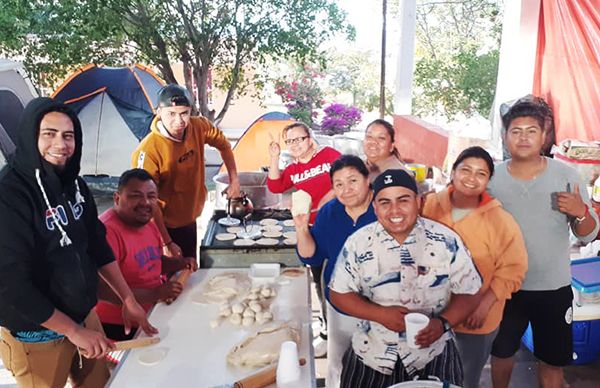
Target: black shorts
(551,316)
(187,239)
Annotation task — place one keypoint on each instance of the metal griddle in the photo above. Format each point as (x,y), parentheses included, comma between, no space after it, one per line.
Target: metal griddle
(223,254)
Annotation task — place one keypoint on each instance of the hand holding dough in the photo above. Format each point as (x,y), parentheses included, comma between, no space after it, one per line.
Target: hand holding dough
(301,202)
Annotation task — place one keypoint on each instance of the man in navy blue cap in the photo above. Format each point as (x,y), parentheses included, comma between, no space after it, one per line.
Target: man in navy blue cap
(402,264)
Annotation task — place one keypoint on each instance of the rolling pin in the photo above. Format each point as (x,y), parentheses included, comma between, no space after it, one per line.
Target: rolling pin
(136,343)
(261,379)
(181,277)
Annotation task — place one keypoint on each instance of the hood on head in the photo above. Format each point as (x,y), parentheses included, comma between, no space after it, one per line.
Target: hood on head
(27,158)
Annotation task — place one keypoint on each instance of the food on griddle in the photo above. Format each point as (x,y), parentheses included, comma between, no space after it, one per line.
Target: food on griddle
(243,242)
(268,221)
(290,235)
(272,234)
(267,241)
(225,236)
(290,241)
(234,229)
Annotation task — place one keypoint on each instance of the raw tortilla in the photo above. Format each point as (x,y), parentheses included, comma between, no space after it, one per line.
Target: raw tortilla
(223,288)
(290,241)
(152,356)
(291,235)
(225,236)
(272,233)
(301,202)
(267,241)
(263,347)
(243,242)
(269,221)
(234,229)
(288,223)
(272,228)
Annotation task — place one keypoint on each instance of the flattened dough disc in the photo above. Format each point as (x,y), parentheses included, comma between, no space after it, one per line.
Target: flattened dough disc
(225,236)
(152,356)
(267,241)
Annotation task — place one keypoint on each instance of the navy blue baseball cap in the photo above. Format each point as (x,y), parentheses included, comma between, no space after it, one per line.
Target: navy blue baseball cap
(390,178)
(174,95)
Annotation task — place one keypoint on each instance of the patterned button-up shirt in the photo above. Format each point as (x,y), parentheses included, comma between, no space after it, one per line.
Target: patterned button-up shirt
(419,274)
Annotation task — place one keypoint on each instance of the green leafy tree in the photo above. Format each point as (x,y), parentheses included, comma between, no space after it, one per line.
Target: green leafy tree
(457,56)
(356,73)
(226,39)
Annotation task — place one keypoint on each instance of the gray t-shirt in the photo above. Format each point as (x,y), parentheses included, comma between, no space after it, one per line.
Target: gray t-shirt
(546,231)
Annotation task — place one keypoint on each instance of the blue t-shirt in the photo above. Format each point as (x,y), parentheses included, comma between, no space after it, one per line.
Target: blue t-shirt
(330,231)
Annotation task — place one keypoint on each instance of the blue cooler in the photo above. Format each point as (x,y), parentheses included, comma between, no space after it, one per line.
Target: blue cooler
(586,312)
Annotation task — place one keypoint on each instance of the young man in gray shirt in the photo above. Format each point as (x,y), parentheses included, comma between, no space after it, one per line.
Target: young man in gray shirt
(546,198)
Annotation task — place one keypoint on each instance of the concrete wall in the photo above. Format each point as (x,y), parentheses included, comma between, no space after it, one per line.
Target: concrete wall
(419,141)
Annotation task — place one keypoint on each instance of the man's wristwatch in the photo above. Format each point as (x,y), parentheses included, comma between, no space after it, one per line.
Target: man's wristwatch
(445,323)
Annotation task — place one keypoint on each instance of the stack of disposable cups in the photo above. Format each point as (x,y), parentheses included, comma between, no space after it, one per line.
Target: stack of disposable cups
(288,367)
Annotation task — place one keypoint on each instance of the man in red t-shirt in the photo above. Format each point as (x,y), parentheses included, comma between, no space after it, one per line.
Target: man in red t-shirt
(137,245)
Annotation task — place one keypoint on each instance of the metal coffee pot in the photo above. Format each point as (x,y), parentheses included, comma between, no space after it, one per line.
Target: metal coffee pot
(240,207)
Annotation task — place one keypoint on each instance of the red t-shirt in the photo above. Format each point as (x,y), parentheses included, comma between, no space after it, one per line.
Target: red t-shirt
(312,177)
(138,253)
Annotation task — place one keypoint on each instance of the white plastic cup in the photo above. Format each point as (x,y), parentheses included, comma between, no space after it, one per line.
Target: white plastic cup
(414,323)
(288,367)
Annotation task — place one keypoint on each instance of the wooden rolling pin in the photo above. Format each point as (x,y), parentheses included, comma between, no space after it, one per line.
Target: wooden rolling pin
(261,379)
(181,277)
(136,343)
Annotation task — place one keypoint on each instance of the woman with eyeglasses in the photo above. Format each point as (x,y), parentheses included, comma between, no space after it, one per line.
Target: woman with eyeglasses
(380,150)
(309,170)
(497,247)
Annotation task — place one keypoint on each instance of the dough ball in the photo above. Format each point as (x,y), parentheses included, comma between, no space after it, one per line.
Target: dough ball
(248,313)
(252,296)
(237,308)
(215,323)
(265,292)
(301,202)
(235,319)
(225,313)
(247,321)
(257,308)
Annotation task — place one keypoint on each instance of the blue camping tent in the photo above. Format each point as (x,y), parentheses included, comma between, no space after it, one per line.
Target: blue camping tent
(116,107)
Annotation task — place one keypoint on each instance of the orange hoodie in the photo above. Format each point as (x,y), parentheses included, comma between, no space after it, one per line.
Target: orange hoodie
(497,247)
(178,168)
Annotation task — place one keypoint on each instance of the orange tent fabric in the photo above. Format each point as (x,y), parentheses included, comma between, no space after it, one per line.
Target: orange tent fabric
(567,70)
(251,152)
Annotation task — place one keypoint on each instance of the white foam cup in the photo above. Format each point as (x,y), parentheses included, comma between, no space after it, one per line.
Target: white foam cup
(414,323)
(288,367)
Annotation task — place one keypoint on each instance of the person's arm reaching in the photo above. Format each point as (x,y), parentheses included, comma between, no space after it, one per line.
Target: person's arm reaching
(233,190)
(132,311)
(170,248)
(93,344)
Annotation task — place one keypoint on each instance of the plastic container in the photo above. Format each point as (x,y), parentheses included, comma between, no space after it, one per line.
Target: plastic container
(585,276)
(586,341)
(264,272)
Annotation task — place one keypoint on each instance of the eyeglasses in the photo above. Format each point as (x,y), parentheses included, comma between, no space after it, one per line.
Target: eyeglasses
(295,141)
